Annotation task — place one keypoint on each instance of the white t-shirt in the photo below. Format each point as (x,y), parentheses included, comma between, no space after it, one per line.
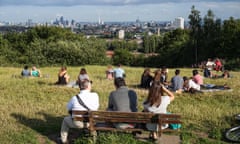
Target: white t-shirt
(162,107)
(90,99)
(82,77)
(210,65)
(118,72)
(194,85)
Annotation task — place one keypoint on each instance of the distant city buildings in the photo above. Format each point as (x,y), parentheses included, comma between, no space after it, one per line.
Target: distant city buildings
(121,30)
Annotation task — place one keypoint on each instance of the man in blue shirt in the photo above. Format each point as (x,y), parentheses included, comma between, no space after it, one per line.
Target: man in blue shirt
(119,72)
(177,81)
(25,72)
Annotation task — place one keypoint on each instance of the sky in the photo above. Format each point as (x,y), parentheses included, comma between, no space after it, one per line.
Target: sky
(113,10)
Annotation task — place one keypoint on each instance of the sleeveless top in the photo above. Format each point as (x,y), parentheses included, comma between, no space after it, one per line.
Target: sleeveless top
(62,80)
(35,73)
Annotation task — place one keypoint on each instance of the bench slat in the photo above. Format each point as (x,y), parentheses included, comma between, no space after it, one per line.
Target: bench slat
(115,129)
(123,114)
(76,112)
(126,120)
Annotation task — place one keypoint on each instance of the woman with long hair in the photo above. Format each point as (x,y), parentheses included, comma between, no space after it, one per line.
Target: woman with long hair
(63,77)
(157,102)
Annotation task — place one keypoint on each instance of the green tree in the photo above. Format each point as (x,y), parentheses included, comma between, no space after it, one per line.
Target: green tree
(151,43)
(209,37)
(195,30)
(122,56)
(230,39)
(146,43)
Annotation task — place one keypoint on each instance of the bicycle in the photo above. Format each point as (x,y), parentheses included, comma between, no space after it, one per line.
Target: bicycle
(233,134)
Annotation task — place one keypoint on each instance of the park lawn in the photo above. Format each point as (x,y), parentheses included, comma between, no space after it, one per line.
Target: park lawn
(32,109)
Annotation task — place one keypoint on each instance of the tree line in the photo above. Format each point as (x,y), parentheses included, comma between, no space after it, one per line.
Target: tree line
(206,37)
(51,46)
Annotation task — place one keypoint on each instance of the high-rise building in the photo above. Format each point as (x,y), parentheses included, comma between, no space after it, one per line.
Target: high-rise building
(99,20)
(179,22)
(158,31)
(121,34)
(61,20)
(138,23)
(29,23)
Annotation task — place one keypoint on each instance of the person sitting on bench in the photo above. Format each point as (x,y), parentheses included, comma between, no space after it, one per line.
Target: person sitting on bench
(156,102)
(122,99)
(85,100)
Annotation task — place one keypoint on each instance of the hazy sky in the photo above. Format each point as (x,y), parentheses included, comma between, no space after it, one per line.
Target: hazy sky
(113,10)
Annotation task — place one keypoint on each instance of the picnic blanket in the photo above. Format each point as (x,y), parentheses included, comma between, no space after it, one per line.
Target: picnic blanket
(213,88)
(72,84)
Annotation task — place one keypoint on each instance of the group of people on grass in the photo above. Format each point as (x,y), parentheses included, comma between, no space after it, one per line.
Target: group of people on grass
(64,78)
(160,95)
(211,66)
(121,99)
(116,72)
(177,83)
(34,72)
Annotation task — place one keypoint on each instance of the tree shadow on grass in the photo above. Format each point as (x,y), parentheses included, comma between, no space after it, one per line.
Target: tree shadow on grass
(218,133)
(48,126)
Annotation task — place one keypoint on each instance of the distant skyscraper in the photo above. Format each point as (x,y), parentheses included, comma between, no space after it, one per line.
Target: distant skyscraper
(138,23)
(158,31)
(99,20)
(121,34)
(179,22)
(137,20)
(29,23)
(61,20)
(73,23)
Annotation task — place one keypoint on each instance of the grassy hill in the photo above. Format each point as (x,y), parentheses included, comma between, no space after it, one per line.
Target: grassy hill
(32,109)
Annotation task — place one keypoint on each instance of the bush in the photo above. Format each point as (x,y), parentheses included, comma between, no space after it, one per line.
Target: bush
(233,64)
(47,46)
(122,56)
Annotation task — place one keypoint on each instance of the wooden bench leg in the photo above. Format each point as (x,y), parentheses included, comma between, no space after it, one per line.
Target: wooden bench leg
(94,136)
(159,141)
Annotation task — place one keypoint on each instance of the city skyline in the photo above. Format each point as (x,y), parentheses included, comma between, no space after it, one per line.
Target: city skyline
(113,10)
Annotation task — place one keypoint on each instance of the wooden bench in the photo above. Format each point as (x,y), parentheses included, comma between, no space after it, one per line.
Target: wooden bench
(100,120)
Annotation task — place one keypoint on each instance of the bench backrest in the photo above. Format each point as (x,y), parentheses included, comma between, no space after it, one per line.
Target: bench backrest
(127,117)
(81,115)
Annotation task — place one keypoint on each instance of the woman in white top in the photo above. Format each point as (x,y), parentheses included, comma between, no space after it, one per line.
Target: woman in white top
(157,102)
